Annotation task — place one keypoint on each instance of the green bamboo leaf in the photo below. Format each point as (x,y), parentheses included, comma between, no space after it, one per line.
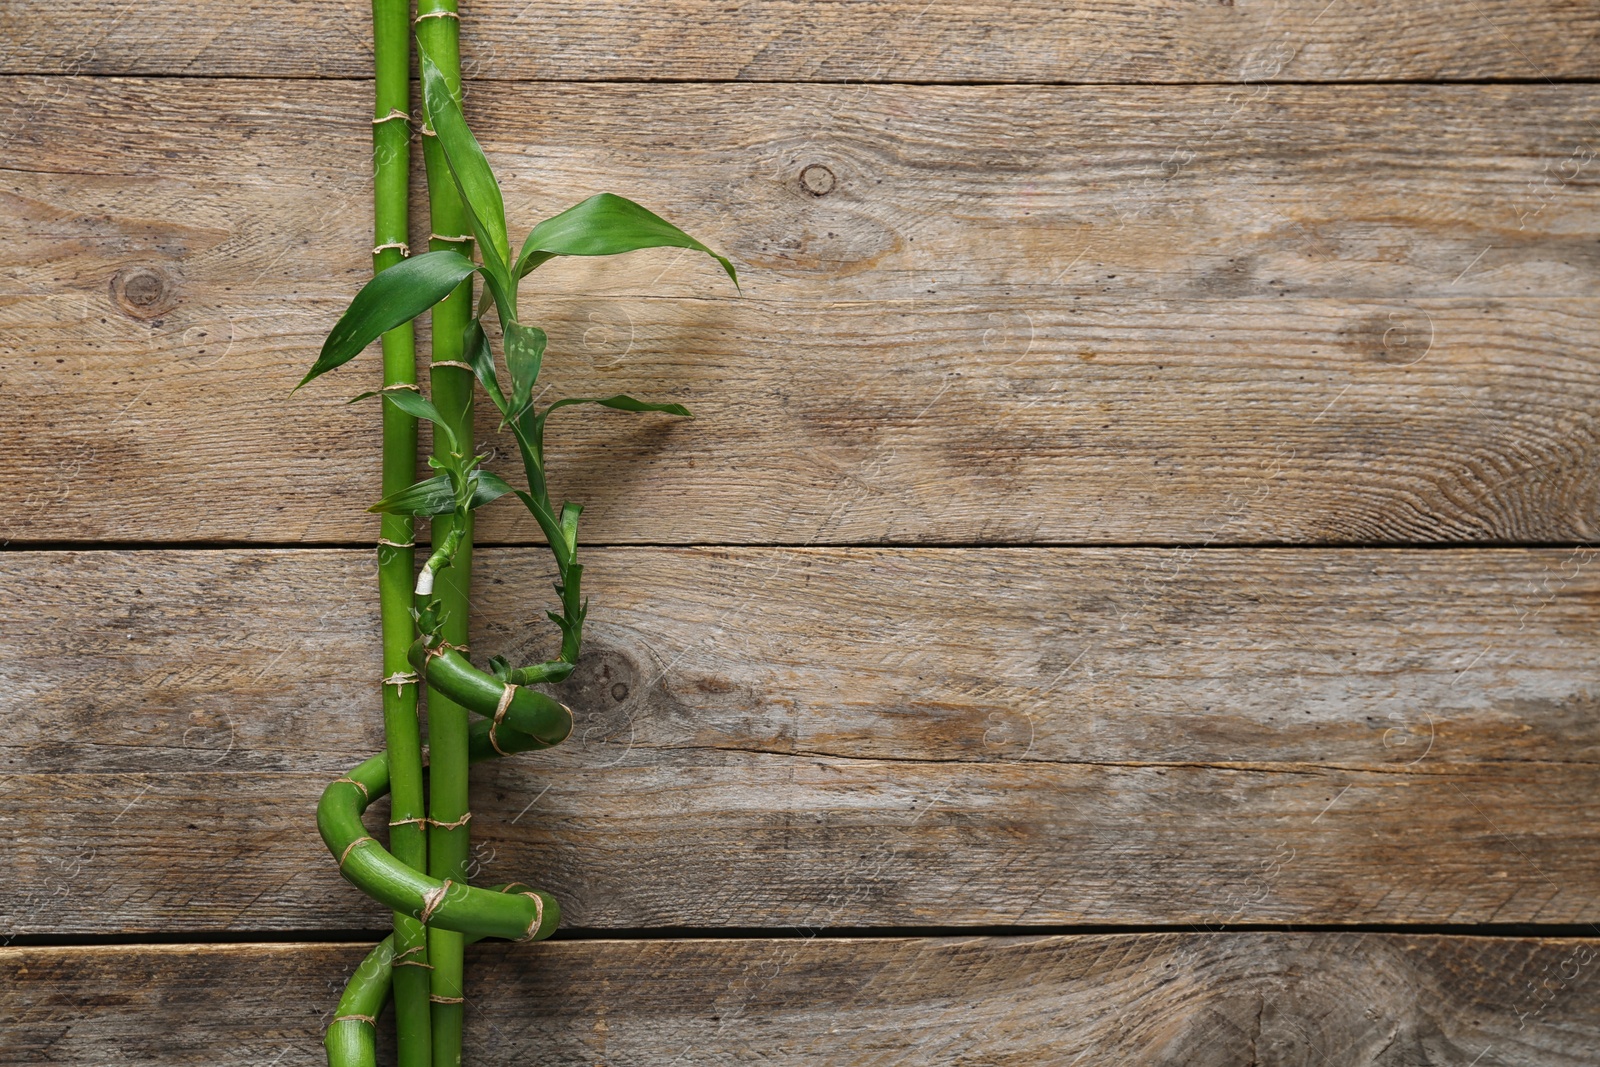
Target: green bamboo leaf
(393,297)
(606,225)
(620,402)
(524,354)
(476,347)
(468,166)
(569,524)
(418,405)
(551,527)
(435,496)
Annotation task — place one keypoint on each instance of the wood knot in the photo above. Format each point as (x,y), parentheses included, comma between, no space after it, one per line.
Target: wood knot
(143,292)
(817,180)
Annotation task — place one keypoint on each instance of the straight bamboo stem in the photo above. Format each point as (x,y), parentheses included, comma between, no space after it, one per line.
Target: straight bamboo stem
(391,157)
(449,837)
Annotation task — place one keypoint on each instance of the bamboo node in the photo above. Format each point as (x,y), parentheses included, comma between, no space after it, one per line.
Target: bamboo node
(538,916)
(400,960)
(427,131)
(459,239)
(440,649)
(458,824)
(394,113)
(351,847)
(436,15)
(420,820)
(405,249)
(399,679)
(437,999)
(450,363)
(359,785)
(413,386)
(506,696)
(431,901)
(369,1020)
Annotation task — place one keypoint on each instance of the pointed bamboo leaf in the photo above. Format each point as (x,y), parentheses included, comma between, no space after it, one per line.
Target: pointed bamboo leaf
(488,488)
(436,495)
(569,524)
(606,225)
(418,405)
(393,297)
(476,347)
(468,166)
(620,402)
(551,527)
(524,354)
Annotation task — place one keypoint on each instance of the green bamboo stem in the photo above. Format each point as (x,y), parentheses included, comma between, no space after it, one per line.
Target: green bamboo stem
(449,837)
(351,1039)
(453,905)
(391,152)
(505,704)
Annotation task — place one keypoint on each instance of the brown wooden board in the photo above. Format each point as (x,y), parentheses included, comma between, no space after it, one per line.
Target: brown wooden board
(834,737)
(1200,1000)
(793,40)
(1011,315)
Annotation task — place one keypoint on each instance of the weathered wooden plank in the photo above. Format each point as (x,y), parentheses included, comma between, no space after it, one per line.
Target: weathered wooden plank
(878,40)
(834,737)
(1205,1000)
(1293,313)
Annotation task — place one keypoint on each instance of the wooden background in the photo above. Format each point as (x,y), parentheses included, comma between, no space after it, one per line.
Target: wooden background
(1125,598)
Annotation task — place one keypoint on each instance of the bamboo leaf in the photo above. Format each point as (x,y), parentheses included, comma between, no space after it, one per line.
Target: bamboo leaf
(436,495)
(524,354)
(418,405)
(489,487)
(468,166)
(393,297)
(569,524)
(475,345)
(551,527)
(620,402)
(606,225)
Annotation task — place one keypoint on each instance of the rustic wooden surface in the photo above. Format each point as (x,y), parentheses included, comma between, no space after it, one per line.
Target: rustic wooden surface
(1018,314)
(835,737)
(1020,280)
(1356,1000)
(794,40)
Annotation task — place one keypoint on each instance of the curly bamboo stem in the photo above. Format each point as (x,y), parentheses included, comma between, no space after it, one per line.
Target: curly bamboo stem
(443,904)
(351,1039)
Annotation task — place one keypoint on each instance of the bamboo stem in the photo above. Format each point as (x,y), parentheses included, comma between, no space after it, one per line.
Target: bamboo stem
(449,838)
(454,905)
(351,1040)
(391,158)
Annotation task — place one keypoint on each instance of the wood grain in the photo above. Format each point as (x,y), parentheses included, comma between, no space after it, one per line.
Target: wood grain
(876,40)
(1220,1000)
(1017,315)
(833,737)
